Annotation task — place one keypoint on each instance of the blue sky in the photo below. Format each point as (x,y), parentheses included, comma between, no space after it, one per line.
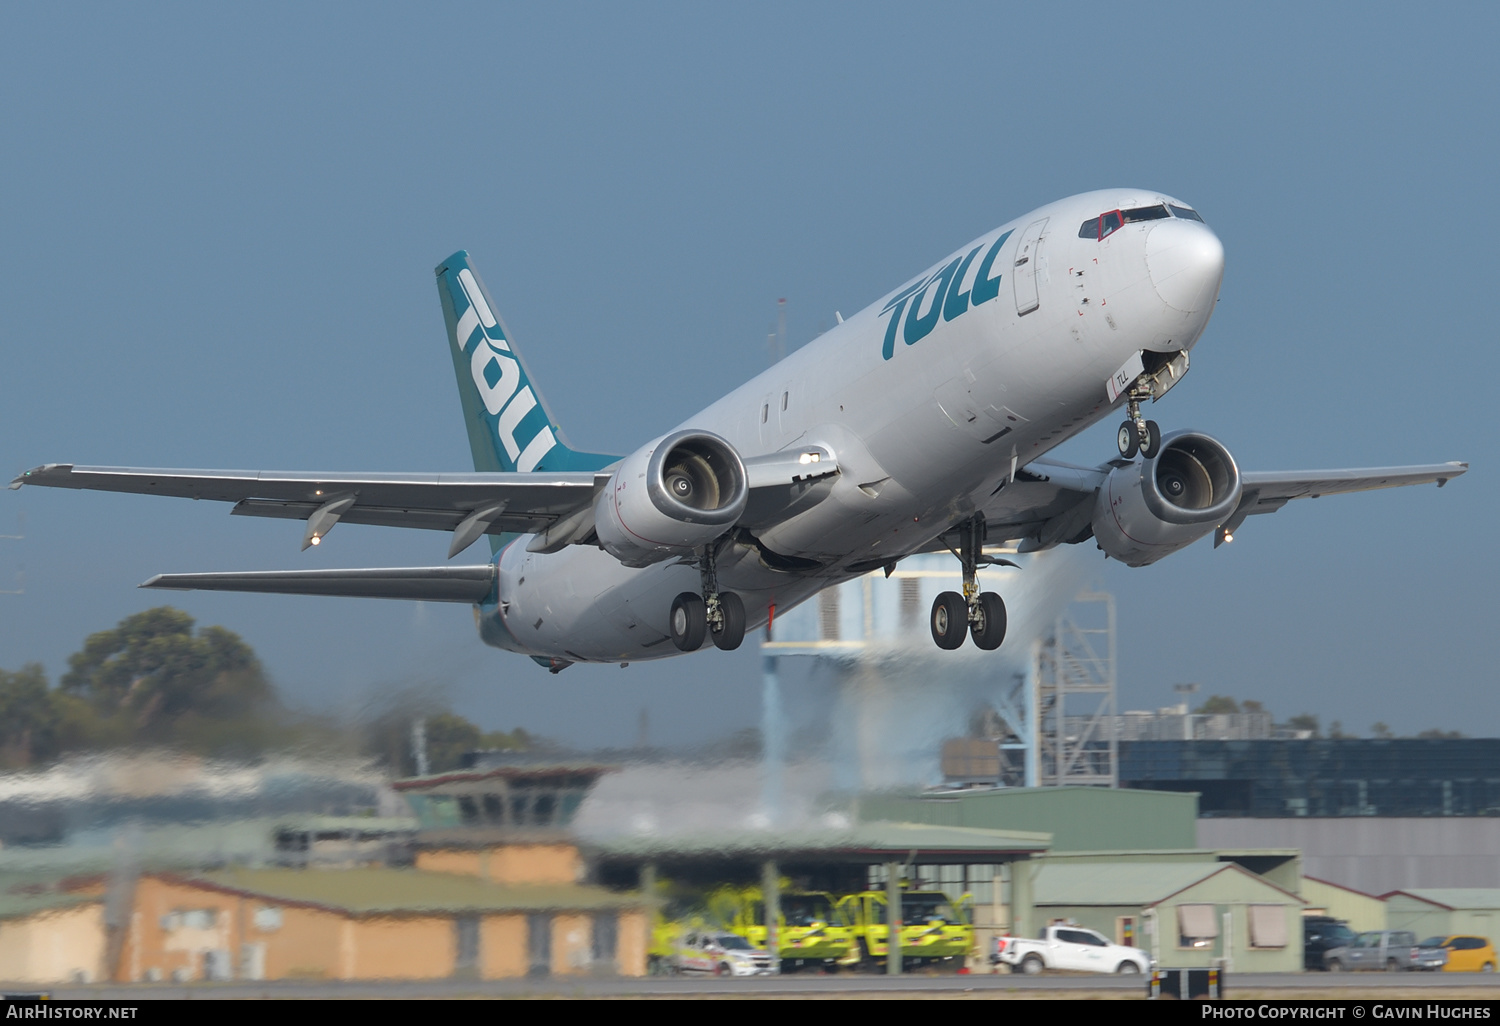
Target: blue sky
(220,222)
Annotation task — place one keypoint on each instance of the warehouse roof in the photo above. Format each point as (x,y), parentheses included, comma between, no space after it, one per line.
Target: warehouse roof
(404,891)
(24,894)
(1453,897)
(863,841)
(1127,883)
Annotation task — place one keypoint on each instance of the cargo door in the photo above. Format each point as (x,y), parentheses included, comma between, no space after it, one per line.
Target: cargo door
(1028,257)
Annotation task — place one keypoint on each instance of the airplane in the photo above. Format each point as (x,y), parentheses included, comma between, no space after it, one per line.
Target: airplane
(919,424)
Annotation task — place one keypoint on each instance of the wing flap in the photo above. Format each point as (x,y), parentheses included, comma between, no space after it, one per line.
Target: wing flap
(424,583)
(390,516)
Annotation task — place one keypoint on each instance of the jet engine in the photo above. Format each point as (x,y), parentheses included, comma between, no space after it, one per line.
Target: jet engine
(671,496)
(1151,509)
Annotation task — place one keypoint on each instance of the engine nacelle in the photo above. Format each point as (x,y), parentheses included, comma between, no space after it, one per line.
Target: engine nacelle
(671,496)
(1153,508)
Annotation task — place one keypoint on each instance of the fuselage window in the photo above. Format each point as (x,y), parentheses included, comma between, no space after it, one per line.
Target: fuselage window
(1186,213)
(784,397)
(1155,213)
(1090,229)
(1109,224)
(765,412)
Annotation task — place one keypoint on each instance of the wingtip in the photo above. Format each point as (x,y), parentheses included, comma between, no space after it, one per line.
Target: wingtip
(1458,468)
(153,582)
(21,478)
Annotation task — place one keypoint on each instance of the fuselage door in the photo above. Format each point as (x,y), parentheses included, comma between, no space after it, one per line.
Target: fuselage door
(1028,255)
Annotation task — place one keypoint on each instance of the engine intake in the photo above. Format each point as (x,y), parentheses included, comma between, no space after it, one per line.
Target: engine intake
(671,496)
(1151,509)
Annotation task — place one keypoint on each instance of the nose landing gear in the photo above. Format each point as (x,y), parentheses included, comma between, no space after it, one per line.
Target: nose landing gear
(1138,435)
(717,616)
(980,615)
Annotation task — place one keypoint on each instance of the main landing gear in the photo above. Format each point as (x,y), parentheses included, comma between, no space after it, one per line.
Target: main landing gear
(718,616)
(976,614)
(1138,435)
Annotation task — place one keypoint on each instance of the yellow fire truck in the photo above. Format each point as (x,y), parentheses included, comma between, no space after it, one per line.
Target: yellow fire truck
(813,930)
(935,930)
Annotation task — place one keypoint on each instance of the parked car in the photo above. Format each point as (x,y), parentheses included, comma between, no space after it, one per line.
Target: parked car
(1319,934)
(722,954)
(1466,953)
(1070,947)
(1390,950)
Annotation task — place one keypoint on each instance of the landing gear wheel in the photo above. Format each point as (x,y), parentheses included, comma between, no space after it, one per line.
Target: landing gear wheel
(732,627)
(950,620)
(1129,440)
(689,622)
(988,628)
(1151,445)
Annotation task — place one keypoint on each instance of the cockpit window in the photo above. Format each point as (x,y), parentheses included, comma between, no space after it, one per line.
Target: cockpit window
(1105,225)
(1187,213)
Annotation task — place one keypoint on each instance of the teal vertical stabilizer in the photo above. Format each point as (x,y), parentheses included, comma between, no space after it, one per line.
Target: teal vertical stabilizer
(510,427)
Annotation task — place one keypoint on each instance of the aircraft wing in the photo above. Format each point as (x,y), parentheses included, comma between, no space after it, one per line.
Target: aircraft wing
(1267,491)
(556,506)
(482,503)
(1051,502)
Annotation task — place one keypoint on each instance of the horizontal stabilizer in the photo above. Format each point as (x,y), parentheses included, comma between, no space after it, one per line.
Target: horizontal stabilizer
(425,583)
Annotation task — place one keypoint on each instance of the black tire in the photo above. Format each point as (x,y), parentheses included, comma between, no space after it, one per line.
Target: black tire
(1032,965)
(1128,969)
(732,631)
(1335,966)
(688,622)
(1128,439)
(1152,445)
(949,620)
(1488,967)
(989,631)
(1391,965)
(724,970)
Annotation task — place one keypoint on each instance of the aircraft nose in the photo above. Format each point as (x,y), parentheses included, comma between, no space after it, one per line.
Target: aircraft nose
(1186,263)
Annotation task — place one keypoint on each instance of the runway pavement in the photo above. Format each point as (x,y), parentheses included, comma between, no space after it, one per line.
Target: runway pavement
(1343,987)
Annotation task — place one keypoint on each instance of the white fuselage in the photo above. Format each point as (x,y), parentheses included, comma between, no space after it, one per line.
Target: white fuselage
(926,418)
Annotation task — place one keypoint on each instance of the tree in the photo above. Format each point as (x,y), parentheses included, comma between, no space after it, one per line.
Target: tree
(153,679)
(29,717)
(1250,705)
(1216,705)
(1435,732)
(1306,721)
(1380,730)
(447,736)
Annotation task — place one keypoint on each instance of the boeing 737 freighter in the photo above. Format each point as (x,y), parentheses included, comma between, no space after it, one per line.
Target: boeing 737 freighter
(919,424)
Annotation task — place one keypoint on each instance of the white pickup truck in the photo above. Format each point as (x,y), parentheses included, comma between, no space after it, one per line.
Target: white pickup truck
(1069,947)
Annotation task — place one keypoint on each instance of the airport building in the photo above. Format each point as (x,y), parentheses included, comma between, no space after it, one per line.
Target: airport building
(1371,815)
